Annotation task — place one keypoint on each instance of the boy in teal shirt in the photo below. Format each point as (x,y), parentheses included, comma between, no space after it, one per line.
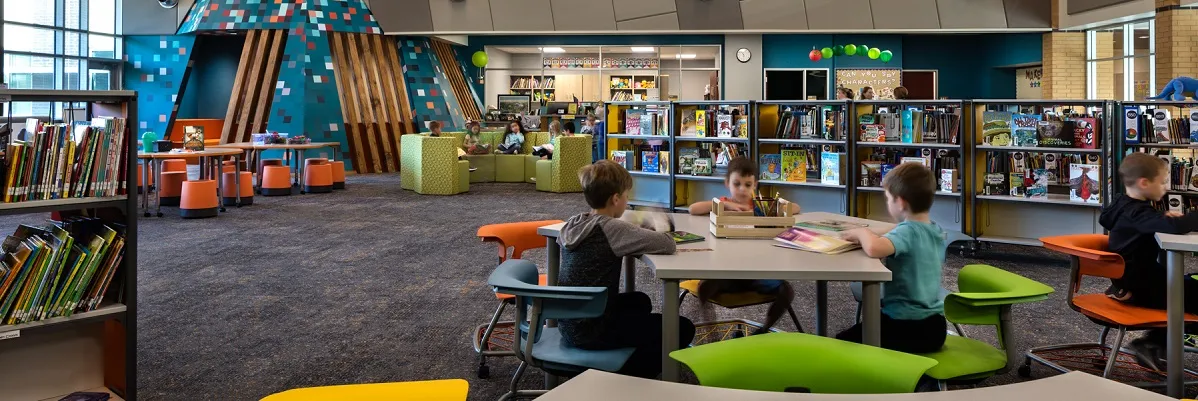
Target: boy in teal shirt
(912,311)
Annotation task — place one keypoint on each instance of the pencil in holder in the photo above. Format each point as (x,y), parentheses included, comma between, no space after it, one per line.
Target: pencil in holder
(765,207)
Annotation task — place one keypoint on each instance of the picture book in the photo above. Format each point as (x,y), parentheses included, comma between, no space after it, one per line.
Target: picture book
(1019,182)
(1193,178)
(1056,134)
(1160,125)
(871,173)
(632,122)
(948,180)
(1084,133)
(830,225)
(686,159)
(723,123)
(885,170)
(873,133)
(812,241)
(892,124)
(1192,116)
(689,126)
(908,131)
(742,126)
(1083,183)
(620,157)
(663,161)
(702,166)
(1023,129)
(1038,187)
(649,163)
(701,123)
(1168,171)
(995,184)
(647,124)
(683,237)
(771,167)
(193,137)
(794,165)
(1131,122)
(830,168)
(996,128)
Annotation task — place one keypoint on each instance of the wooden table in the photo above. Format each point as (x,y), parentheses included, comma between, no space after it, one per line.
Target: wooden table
(594,385)
(1177,245)
(751,259)
(209,165)
(296,150)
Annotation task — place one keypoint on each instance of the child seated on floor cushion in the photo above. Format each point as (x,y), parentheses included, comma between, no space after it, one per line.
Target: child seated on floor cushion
(593,247)
(912,311)
(1133,224)
(555,130)
(513,139)
(471,142)
(742,185)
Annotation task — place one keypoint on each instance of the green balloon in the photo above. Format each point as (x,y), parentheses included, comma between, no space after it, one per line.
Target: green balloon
(826,52)
(874,53)
(886,56)
(862,49)
(479,59)
(850,49)
(838,50)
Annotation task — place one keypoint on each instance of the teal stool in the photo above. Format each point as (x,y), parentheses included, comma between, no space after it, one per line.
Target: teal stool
(798,362)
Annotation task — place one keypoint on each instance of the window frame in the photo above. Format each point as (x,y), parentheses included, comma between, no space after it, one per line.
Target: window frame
(1128,58)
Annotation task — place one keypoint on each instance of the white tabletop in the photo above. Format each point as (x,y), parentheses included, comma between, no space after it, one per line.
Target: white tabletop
(1174,242)
(759,258)
(594,385)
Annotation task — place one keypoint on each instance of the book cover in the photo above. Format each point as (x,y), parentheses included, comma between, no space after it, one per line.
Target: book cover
(193,137)
(996,128)
(632,122)
(1160,126)
(1056,134)
(663,161)
(809,240)
(647,124)
(1083,183)
(1023,129)
(908,130)
(830,168)
(689,128)
(871,173)
(742,126)
(995,184)
(948,180)
(1018,184)
(873,133)
(1168,167)
(723,124)
(701,123)
(830,225)
(1038,188)
(918,160)
(1052,163)
(771,167)
(1191,116)
(686,159)
(794,165)
(683,237)
(1174,203)
(702,166)
(649,163)
(1131,123)
(892,124)
(620,157)
(1084,133)
(886,170)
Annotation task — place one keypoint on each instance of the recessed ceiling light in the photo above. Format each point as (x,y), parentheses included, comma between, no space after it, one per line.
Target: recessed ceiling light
(687,56)
(553,50)
(636,49)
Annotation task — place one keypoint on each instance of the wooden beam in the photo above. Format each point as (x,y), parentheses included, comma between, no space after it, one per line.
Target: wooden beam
(238,92)
(253,81)
(393,58)
(351,106)
(266,90)
(362,88)
(390,97)
(382,110)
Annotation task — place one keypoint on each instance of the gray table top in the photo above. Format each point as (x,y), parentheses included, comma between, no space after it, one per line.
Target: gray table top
(1174,242)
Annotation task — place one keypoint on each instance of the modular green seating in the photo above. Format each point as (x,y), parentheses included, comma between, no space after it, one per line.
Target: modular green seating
(560,174)
(430,166)
(803,363)
(494,167)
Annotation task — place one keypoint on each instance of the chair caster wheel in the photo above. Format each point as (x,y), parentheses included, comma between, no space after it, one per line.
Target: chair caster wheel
(146,214)
(160,214)
(484,372)
(1025,371)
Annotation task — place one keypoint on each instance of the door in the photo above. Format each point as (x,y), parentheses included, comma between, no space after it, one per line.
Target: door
(796,84)
(920,84)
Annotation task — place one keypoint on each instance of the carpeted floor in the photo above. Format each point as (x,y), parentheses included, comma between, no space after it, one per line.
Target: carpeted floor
(376,284)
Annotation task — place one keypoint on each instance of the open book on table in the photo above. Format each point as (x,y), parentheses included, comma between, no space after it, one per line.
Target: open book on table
(814,241)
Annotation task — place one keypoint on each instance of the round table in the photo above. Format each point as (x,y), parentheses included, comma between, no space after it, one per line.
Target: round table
(209,166)
(296,150)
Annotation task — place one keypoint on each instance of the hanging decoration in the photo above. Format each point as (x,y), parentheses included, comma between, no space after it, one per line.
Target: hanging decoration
(479,59)
(874,53)
(838,50)
(886,56)
(815,55)
(827,52)
(850,50)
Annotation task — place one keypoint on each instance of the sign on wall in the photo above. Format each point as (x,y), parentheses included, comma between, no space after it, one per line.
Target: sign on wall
(882,80)
(1027,82)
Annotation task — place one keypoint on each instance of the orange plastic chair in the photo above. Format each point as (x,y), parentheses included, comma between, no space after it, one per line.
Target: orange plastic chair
(318,178)
(338,174)
(519,237)
(1089,256)
(174,165)
(276,181)
(231,189)
(199,200)
(171,188)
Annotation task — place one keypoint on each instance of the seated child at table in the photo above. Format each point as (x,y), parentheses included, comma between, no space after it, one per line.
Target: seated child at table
(912,311)
(471,142)
(1133,224)
(593,247)
(555,130)
(742,186)
(513,139)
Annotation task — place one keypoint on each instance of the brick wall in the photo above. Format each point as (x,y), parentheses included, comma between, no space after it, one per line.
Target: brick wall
(1176,42)
(1104,71)
(1064,65)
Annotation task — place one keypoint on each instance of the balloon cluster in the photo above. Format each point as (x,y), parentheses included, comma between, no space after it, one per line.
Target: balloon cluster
(850,50)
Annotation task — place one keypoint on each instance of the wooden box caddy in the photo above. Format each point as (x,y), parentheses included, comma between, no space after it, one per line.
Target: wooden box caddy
(730,224)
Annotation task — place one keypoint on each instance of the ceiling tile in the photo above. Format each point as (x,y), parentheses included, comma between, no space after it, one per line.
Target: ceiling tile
(403,15)
(663,22)
(971,14)
(522,15)
(709,14)
(583,15)
(905,14)
(1028,13)
(774,14)
(632,9)
(839,14)
(461,16)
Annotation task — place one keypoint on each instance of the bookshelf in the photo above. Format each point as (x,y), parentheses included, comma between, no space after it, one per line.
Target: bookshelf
(85,351)
(1003,214)
(703,131)
(1168,129)
(637,87)
(638,137)
(789,126)
(540,87)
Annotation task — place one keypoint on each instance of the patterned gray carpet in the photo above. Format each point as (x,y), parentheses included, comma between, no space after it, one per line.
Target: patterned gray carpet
(376,284)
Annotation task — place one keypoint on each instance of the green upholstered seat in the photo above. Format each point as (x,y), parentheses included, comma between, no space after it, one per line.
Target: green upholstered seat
(484,168)
(560,174)
(430,166)
(788,361)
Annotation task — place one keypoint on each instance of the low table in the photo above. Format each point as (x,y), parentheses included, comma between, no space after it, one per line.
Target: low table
(297,156)
(209,161)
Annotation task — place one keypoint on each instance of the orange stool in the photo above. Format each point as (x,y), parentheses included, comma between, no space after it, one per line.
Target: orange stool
(315,160)
(228,168)
(272,162)
(141,180)
(199,200)
(318,178)
(171,188)
(247,188)
(338,174)
(276,181)
(174,165)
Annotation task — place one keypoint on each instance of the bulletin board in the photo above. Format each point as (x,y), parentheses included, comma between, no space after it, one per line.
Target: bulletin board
(882,80)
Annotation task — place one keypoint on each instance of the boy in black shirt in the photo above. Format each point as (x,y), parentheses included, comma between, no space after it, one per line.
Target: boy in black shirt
(1133,224)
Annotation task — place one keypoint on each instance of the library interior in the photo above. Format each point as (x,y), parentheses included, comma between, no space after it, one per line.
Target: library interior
(776,200)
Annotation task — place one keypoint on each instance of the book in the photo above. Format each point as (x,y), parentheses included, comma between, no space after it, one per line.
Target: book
(1083,183)
(813,241)
(830,225)
(663,161)
(907,135)
(1084,135)
(948,180)
(686,159)
(700,123)
(193,137)
(1131,132)
(873,133)
(771,167)
(1023,130)
(1174,203)
(723,125)
(995,184)
(689,128)
(649,162)
(1038,187)
(742,126)
(794,165)
(1191,117)
(1168,158)
(1018,184)
(996,128)
(871,173)
(1160,126)
(702,166)
(831,167)
(917,160)
(683,237)
(620,157)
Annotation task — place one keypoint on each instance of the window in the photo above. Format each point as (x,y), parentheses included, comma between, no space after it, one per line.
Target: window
(59,44)
(1121,61)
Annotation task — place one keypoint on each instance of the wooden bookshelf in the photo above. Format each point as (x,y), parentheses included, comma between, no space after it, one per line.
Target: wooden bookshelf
(534,85)
(633,87)
(86,351)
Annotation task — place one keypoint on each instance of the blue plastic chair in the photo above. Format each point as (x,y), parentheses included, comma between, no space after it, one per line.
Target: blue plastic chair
(535,304)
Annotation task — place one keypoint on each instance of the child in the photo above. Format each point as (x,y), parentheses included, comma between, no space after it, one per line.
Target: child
(513,139)
(593,247)
(900,93)
(867,93)
(742,185)
(1133,224)
(912,311)
(470,142)
(546,151)
(843,93)
(434,128)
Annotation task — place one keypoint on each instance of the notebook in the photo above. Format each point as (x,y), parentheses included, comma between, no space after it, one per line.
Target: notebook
(683,237)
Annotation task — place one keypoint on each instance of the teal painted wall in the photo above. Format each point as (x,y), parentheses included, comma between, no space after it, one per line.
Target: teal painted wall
(216,60)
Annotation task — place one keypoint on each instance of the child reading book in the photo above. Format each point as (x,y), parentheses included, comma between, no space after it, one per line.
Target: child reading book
(1133,224)
(471,142)
(742,185)
(546,151)
(593,247)
(912,311)
(513,139)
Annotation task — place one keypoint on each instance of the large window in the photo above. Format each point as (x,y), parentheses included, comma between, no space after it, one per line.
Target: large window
(1121,61)
(59,44)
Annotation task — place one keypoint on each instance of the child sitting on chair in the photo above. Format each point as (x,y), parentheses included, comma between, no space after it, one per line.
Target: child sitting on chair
(742,185)
(1133,224)
(513,139)
(555,130)
(470,143)
(912,311)
(593,247)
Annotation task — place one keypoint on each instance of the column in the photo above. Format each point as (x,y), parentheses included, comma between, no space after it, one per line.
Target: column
(1176,41)
(1064,65)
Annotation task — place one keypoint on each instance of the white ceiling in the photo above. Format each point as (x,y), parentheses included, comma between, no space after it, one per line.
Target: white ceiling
(666,52)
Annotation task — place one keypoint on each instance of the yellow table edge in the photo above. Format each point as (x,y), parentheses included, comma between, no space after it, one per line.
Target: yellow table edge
(429,390)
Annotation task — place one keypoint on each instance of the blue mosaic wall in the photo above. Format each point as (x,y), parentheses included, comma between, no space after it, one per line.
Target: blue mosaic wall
(315,15)
(430,92)
(154,67)
(305,98)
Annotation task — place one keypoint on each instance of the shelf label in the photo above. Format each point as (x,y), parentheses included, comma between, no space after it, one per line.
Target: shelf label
(8,335)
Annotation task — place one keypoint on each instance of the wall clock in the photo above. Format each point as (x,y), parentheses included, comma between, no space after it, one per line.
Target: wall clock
(743,55)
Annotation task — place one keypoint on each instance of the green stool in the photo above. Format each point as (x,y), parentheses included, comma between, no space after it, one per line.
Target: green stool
(509,168)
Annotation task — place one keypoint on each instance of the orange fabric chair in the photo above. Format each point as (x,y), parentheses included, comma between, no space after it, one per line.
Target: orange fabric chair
(199,199)
(519,237)
(1089,256)
(338,174)
(231,189)
(276,181)
(171,188)
(318,178)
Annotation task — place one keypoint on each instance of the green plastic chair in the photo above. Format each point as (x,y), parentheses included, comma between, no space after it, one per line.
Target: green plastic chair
(986,294)
(798,362)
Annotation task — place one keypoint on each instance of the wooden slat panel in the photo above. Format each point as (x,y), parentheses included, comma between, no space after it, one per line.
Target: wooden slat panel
(340,77)
(352,106)
(252,86)
(367,105)
(378,102)
(238,92)
(402,87)
(266,90)
(457,79)
(394,126)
